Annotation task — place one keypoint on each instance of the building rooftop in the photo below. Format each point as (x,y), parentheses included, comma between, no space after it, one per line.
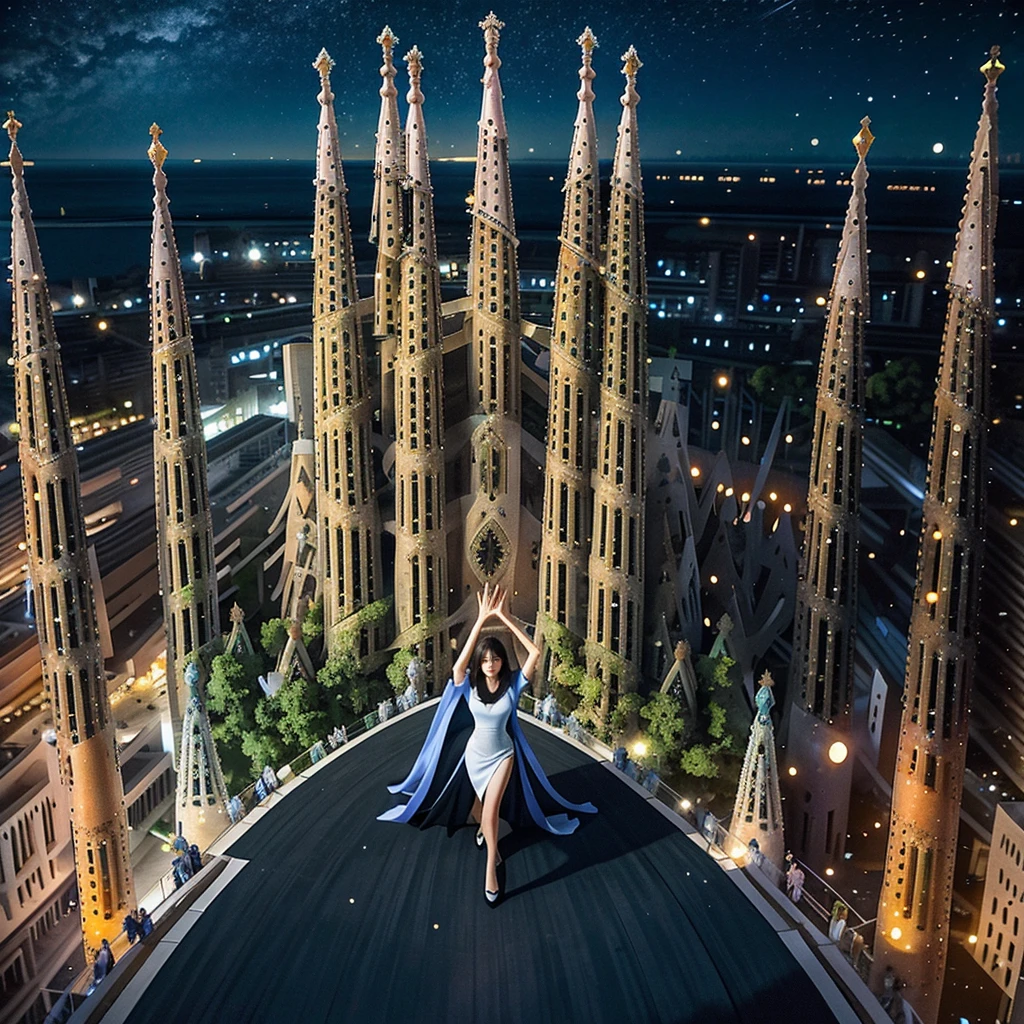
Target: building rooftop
(337,916)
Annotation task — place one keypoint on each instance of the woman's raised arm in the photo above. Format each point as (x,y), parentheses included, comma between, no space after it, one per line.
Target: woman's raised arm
(532,650)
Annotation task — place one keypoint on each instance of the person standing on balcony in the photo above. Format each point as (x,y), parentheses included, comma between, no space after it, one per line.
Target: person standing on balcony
(476,763)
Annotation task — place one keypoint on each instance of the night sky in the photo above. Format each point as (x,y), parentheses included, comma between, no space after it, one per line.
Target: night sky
(737,79)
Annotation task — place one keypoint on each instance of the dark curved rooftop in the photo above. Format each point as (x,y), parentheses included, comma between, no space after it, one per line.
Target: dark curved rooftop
(339,917)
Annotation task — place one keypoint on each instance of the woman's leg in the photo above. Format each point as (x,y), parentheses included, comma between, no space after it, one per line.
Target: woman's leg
(489,823)
(477,813)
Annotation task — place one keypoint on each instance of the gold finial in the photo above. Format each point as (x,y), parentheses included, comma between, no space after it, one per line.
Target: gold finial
(414,58)
(491,23)
(863,139)
(12,124)
(993,67)
(237,615)
(157,152)
(387,39)
(632,62)
(766,679)
(588,41)
(323,63)
(414,61)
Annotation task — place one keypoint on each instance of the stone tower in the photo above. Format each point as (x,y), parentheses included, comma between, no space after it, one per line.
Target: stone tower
(615,605)
(58,565)
(386,227)
(575,345)
(201,800)
(348,535)
(188,576)
(421,556)
(492,530)
(914,904)
(757,813)
(825,619)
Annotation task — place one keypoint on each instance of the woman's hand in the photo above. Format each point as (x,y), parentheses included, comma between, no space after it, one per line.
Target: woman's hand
(490,602)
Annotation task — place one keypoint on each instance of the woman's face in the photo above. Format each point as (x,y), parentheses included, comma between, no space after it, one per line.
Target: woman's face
(490,664)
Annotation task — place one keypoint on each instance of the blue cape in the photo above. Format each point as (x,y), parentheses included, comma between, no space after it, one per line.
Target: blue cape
(436,798)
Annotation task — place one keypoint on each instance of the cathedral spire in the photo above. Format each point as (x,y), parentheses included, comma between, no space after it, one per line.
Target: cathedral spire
(575,343)
(616,594)
(386,228)
(202,798)
(825,620)
(757,812)
(417,164)
(493,190)
(421,559)
(58,565)
(493,329)
(626,168)
(914,903)
(348,520)
(188,577)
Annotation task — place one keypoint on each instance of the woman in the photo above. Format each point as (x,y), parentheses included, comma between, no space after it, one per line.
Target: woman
(475,760)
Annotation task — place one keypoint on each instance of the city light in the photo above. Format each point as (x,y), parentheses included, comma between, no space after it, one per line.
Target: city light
(685,804)
(789,439)
(695,471)
(936,535)
(102,325)
(972,939)
(77,301)
(713,578)
(787,507)
(792,770)
(830,872)
(931,597)
(640,748)
(920,275)
(198,257)
(255,255)
(837,752)
(897,933)
(704,221)
(722,380)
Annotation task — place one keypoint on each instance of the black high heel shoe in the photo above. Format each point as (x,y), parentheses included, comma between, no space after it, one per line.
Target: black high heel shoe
(494,897)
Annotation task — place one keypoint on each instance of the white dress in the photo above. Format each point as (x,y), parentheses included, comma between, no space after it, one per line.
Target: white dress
(490,743)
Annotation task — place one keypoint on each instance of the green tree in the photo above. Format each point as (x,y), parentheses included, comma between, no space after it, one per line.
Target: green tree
(700,762)
(396,671)
(665,727)
(273,636)
(899,393)
(263,748)
(231,695)
(773,383)
(308,712)
(313,622)
(629,704)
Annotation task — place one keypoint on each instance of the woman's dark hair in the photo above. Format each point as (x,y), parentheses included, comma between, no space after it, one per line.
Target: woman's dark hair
(491,645)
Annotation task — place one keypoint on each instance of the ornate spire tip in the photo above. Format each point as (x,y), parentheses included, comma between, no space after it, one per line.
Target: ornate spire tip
(491,23)
(414,58)
(632,62)
(993,67)
(323,63)
(157,152)
(863,139)
(387,39)
(12,124)
(588,41)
